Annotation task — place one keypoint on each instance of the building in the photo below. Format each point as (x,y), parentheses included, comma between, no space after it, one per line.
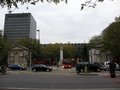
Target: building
(19,26)
(19,55)
(98,54)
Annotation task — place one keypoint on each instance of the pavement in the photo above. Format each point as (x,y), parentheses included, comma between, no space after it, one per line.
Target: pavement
(107,75)
(104,74)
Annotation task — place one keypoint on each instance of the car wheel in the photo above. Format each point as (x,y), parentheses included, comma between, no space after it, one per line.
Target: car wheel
(34,70)
(98,70)
(78,72)
(10,69)
(81,70)
(48,70)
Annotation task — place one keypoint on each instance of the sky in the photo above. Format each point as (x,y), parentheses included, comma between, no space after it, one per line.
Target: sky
(66,23)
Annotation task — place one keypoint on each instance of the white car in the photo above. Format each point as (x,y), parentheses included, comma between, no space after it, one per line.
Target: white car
(106,65)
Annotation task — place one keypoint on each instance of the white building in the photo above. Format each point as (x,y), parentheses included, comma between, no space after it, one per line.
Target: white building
(97,54)
(19,55)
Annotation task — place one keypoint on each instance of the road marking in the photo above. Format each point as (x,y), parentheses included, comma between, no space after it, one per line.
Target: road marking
(17,88)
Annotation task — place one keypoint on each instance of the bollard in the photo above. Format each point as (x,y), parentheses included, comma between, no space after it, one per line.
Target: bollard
(85,70)
(3,70)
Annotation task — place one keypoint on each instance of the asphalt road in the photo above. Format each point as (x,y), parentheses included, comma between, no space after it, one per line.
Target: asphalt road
(55,81)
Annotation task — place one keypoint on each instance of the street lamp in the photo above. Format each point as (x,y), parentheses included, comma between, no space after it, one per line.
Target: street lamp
(38,35)
(38,43)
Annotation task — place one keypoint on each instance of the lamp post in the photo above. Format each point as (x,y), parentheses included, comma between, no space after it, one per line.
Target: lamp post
(38,44)
(0,54)
(38,35)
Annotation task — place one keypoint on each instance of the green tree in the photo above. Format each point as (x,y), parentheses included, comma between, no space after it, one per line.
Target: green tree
(10,3)
(33,45)
(51,52)
(69,51)
(95,40)
(111,39)
(3,51)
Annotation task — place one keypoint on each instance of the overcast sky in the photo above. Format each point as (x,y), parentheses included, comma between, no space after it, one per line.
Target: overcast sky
(65,23)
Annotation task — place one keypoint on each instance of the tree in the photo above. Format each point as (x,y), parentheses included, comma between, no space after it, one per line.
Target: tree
(69,51)
(95,40)
(3,50)
(111,39)
(90,3)
(10,3)
(32,45)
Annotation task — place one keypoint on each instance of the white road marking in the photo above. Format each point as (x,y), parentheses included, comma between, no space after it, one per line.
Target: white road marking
(17,88)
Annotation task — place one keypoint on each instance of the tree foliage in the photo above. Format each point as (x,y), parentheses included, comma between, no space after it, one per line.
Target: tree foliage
(33,45)
(111,38)
(3,50)
(69,51)
(10,3)
(95,40)
(51,51)
(90,3)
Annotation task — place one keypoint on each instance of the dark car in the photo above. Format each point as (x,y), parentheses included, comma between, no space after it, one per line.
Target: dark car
(0,69)
(41,67)
(94,67)
(16,67)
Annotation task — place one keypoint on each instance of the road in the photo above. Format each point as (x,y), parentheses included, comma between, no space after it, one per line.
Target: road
(18,80)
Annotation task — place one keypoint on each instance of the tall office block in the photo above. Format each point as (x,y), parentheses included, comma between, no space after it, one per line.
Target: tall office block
(19,26)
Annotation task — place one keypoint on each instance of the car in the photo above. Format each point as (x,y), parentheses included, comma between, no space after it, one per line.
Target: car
(41,67)
(16,67)
(65,66)
(89,66)
(0,69)
(106,65)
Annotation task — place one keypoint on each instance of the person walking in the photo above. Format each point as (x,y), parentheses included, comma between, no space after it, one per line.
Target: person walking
(112,67)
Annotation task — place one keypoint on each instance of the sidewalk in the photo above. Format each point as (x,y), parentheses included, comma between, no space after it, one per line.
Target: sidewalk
(104,74)
(107,75)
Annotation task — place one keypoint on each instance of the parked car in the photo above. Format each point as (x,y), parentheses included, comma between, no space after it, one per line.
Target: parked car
(0,69)
(41,67)
(66,66)
(106,66)
(94,67)
(16,67)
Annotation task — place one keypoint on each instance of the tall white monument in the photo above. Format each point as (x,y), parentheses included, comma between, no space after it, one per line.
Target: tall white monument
(61,56)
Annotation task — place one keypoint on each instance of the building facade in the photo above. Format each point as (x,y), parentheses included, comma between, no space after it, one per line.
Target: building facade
(19,55)
(97,54)
(19,26)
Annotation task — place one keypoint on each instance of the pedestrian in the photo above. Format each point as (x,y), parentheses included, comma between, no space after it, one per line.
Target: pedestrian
(112,67)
